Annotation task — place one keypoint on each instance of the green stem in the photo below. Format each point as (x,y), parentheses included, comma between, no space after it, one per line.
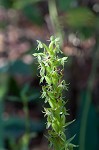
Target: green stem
(25,108)
(3,90)
(26,115)
(1,126)
(88,100)
(54,19)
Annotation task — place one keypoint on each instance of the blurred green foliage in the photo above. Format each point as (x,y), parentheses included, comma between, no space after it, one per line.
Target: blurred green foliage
(80,17)
(23,3)
(65,5)
(33,14)
(76,16)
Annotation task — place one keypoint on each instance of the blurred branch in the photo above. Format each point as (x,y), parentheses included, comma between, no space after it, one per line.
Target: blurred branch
(88,98)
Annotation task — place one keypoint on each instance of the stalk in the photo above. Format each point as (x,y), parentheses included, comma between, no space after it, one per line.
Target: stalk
(55,20)
(51,72)
(1,125)
(88,98)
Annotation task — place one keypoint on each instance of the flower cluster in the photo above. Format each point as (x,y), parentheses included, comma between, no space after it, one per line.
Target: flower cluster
(51,72)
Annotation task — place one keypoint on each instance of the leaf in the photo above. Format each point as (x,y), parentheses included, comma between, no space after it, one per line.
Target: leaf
(20,4)
(69,140)
(39,59)
(48,122)
(46,48)
(42,79)
(48,68)
(51,95)
(43,94)
(25,89)
(63,137)
(14,126)
(48,125)
(79,17)
(48,80)
(63,119)
(65,5)
(3,85)
(42,72)
(68,123)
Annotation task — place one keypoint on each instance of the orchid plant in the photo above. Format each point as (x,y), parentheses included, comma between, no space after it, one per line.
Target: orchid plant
(51,68)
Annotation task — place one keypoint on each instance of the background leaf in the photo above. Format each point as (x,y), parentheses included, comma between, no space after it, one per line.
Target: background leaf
(64,5)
